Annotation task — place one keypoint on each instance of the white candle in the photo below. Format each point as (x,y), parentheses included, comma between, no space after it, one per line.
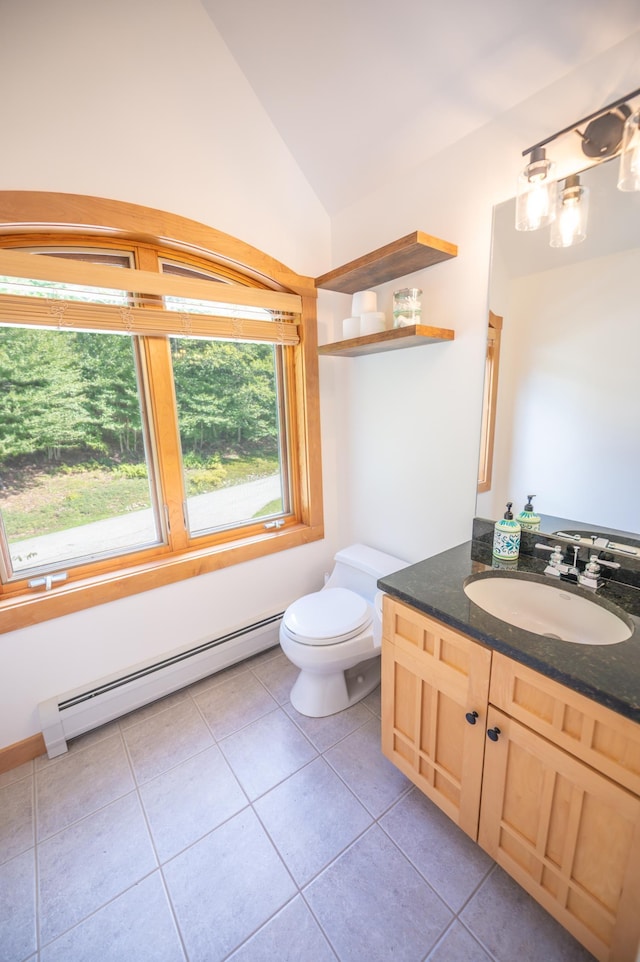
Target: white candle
(363,302)
(350,327)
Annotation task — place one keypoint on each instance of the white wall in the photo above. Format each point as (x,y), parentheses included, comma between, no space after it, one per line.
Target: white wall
(139,100)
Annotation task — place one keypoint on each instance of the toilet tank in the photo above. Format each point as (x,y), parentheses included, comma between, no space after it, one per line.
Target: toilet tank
(358,568)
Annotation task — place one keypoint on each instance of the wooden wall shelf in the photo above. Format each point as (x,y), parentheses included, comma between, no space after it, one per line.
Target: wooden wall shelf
(400,337)
(411,253)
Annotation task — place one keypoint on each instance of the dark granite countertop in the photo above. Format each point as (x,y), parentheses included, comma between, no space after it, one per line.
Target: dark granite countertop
(609,674)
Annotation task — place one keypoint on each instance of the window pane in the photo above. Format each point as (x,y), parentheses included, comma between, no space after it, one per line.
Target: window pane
(56,290)
(238,312)
(232,442)
(74,481)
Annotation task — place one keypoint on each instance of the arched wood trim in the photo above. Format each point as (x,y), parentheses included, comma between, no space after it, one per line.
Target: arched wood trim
(45,211)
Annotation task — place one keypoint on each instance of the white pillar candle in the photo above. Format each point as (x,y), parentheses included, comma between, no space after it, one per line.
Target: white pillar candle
(350,327)
(372,322)
(364,301)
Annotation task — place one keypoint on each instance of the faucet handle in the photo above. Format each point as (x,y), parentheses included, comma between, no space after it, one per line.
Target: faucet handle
(555,566)
(593,566)
(590,577)
(601,561)
(556,552)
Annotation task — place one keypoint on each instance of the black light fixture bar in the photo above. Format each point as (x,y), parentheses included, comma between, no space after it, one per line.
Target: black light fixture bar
(584,120)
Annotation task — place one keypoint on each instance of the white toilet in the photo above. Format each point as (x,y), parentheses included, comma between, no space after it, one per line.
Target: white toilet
(333,635)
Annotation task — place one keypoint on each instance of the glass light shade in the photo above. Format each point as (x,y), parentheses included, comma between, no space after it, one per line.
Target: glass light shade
(572,210)
(629,177)
(536,193)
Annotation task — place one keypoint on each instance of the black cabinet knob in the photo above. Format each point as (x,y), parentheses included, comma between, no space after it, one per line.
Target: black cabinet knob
(471,717)
(493,733)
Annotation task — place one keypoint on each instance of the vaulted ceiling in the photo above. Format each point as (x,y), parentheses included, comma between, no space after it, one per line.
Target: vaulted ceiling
(362,90)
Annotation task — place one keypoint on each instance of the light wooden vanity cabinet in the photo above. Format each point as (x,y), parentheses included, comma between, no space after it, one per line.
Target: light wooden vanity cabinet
(432,678)
(556,782)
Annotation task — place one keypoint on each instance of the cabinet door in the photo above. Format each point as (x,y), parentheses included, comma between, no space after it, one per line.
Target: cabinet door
(432,678)
(567,834)
(606,741)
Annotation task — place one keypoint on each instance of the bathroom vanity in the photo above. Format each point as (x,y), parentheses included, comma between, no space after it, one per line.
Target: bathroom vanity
(530,744)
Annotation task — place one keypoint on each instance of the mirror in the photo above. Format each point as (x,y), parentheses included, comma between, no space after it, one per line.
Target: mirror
(568,403)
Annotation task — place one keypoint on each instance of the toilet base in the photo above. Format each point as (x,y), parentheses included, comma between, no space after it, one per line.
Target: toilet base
(317,695)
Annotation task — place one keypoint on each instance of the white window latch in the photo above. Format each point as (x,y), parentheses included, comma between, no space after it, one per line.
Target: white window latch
(47,581)
(279,523)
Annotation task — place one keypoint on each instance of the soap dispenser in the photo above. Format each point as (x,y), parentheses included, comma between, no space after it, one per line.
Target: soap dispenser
(528,519)
(506,536)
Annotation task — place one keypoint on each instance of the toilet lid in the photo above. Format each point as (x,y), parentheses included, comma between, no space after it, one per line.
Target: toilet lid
(323,616)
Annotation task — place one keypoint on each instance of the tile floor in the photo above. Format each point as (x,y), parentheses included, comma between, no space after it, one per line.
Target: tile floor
(220,824)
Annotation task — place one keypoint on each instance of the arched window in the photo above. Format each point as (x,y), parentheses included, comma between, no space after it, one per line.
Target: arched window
(159,403)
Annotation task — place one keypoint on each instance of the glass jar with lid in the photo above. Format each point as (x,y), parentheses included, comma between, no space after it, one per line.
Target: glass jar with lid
(406,306)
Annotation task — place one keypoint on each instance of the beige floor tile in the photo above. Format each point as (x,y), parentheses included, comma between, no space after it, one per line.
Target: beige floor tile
(292,935)
(16,818)
(374,906)
(443,854)
(81,783)
(266,752)
(311,818)
(358,760)
(226,886)
(162,741)
(91,862)
(328,731)
(189,801)
(458,945)
(136,927)
(237,702)
(18,908)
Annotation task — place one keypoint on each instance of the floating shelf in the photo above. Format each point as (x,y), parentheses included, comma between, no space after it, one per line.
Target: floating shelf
(400,337)
(411,253)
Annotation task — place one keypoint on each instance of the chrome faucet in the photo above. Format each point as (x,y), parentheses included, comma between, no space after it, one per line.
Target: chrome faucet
(557,565)
(590,577)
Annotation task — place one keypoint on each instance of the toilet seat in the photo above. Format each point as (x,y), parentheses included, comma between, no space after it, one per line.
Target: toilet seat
(327,617)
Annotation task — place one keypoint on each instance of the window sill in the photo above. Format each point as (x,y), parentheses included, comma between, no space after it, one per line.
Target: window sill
(21,611)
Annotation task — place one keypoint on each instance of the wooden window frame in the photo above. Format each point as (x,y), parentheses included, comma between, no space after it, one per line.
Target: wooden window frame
(33,218)
(489,402)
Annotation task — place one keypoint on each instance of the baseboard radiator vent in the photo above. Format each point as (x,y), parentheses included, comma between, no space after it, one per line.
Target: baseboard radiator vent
(76,712)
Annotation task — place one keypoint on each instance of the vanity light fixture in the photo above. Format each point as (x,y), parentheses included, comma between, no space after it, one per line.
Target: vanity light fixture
(613,130)
(603,135)
(570,224)
(629,178)
(536,195)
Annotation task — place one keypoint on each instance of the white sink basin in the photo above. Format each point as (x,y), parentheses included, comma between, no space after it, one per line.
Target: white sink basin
(549,610)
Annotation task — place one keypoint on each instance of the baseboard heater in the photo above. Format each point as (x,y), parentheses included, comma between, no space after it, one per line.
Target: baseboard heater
(75,712)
